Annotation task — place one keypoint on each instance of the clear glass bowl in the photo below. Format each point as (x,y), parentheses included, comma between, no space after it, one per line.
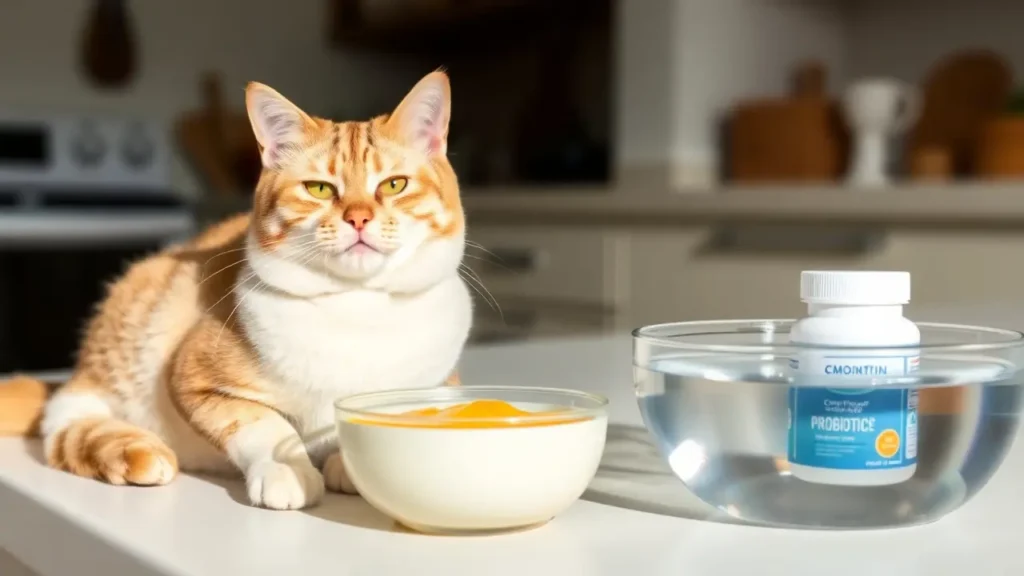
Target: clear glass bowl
(715,397)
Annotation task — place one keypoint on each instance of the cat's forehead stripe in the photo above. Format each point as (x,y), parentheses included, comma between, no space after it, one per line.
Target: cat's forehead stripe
(332,153)
(358,145)
(354,141)
(377,164)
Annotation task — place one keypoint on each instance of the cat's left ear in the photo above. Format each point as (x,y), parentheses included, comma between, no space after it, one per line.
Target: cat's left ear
(279,125)
(421,120)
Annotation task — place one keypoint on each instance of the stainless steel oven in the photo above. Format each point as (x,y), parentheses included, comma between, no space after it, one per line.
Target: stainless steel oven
(80,199)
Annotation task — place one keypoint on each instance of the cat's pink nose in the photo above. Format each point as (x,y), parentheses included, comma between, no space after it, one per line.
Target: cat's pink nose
(358,216)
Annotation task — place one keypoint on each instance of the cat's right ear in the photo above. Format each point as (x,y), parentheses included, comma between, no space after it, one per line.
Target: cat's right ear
(277,123)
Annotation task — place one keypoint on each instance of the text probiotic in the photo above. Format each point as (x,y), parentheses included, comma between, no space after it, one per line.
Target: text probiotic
(841,429)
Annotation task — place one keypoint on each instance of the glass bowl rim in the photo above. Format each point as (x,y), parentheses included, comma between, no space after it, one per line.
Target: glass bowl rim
(599,408)
(1011,338)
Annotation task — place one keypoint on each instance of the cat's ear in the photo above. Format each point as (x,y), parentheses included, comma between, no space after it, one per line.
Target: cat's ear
(421,120)
(277,123)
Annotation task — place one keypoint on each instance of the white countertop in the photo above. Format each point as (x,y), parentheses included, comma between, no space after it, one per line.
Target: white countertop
(60,525)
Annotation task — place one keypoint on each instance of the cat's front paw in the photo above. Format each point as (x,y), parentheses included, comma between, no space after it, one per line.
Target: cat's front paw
(336,477)
(284,486)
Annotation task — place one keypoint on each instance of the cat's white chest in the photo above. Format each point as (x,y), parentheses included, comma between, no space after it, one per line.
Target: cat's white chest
(316,350)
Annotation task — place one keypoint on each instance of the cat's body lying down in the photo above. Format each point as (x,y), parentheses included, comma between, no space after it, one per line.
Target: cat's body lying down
(225,354)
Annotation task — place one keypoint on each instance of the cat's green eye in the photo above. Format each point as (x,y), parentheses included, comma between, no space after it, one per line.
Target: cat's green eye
(392,186)
(319,190)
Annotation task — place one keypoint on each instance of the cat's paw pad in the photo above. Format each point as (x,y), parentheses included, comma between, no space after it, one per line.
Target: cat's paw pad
(336,477)
(149,463)
(282,486)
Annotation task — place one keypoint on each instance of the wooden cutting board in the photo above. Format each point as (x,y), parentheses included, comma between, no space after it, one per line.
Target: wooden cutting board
(961,94)
(219,143)
(798,137)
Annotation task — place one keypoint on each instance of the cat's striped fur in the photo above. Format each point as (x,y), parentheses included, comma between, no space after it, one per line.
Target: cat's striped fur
(224,354)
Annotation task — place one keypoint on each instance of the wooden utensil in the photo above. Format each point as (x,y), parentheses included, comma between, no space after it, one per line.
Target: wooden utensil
(799,137)
(964,91)
(108,53)
(219,143)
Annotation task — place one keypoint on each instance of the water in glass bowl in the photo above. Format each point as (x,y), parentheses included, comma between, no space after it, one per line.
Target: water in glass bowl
(722,424)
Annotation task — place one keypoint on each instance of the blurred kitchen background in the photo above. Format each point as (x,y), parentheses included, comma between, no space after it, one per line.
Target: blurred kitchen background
(623,162)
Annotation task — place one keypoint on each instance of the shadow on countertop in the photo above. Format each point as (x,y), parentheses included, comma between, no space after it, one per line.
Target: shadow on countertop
(635,476)
(632,475)
(338,508)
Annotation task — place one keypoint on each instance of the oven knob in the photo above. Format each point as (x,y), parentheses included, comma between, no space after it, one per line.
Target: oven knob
(137,149)
(87,147)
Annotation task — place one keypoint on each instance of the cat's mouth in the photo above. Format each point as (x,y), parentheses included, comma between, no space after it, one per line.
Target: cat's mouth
(361,247)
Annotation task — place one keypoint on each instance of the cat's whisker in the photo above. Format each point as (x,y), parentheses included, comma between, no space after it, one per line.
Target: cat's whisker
(474,280)
(309,250)
(301,254)
(480,282)
(483,296)
(309,259)
(472,272)
(471,244)
(224,253)
(227,320)
(233,264)
(309,255)
(482,259)
(230,292)
(471,284)
(241,249)
(306,246)
(303,250)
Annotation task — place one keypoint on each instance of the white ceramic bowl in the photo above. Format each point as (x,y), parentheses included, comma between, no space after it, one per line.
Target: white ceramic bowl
(463,480)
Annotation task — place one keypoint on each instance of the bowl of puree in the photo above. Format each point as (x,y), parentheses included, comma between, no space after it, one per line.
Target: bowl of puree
(472,459)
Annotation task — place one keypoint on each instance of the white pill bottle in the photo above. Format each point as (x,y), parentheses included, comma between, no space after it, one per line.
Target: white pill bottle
(841,430)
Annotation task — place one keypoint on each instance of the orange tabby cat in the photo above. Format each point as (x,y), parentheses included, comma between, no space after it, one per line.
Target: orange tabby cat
(224,354)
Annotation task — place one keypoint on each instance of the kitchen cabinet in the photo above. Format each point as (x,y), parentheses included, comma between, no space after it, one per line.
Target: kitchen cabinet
(627,277)
(684,64)
(673,279)
(551,263)
(547,281)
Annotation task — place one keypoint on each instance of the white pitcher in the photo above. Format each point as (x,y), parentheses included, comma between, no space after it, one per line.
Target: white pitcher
(877,109)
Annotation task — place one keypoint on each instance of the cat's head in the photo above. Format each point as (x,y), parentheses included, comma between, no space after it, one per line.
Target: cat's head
(355,204)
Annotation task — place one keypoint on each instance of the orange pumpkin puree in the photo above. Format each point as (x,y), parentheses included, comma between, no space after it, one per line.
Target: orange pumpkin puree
(469,415)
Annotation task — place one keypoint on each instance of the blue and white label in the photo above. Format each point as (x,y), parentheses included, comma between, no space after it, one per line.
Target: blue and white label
(852,428)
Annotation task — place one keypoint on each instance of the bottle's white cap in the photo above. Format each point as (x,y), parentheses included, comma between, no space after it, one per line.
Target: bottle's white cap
(855,288)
